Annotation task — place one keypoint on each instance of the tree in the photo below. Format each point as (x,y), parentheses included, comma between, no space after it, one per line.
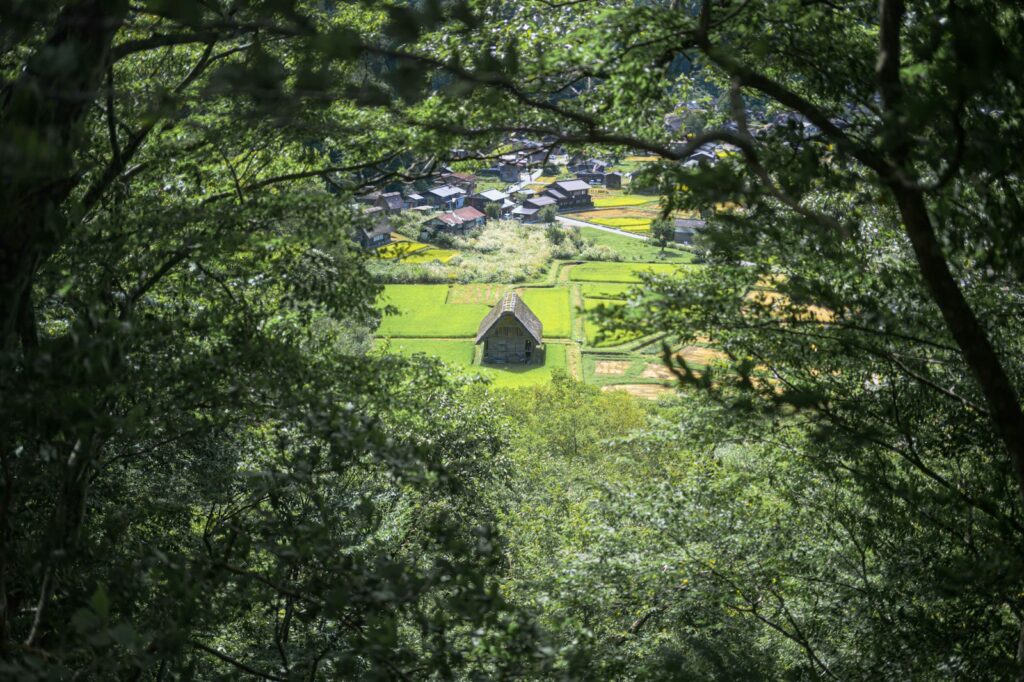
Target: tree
(662,232)
(548,214)
(863,167)
(204,472)
(493,210)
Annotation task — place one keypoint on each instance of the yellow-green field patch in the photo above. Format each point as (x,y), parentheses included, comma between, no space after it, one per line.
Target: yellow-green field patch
(401,248)
(459,355)
(551,306)
(606,290)
(628,224)
(620,272)
(627,200)
(598,336)
(430,255)
(511,376)
(423,312)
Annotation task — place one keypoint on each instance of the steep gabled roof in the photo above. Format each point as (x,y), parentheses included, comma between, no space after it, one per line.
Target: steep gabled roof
(393,200)
(513,306)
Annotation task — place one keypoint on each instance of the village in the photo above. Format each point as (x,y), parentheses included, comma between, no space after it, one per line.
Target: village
(518,329)
(515,188)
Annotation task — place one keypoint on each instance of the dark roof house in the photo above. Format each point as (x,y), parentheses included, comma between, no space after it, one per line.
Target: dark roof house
(525,214)
(374,236)
(510,332)
(466,181)
(539,202)
(685,229)
(391,202)
(446,197)
(570,194)
(490,196)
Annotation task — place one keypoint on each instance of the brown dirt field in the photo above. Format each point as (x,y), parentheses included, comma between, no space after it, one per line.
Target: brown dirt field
(772,298)
(611,367)
(647,391)
(657,371)
(487,294)
(616,212)
(700,355)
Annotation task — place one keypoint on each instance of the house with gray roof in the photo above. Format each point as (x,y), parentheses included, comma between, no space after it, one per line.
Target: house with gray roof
(570,194)
(511,333)
(446,197)
(391,202)
(539,202)
(480,200)
(686,229)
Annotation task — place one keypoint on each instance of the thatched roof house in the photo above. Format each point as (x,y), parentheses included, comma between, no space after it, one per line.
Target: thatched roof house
(510,332)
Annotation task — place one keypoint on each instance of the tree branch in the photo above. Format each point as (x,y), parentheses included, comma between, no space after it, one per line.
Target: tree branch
(236,663)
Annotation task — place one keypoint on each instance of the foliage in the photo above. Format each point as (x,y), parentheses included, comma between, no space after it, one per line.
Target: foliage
(662,232)
(503,251)
(206,475)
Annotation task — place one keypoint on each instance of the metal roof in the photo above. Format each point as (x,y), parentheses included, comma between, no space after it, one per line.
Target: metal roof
(570,185)
(447,191)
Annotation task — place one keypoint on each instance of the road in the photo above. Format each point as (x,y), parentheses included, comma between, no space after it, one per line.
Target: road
(583,223)
(530,177)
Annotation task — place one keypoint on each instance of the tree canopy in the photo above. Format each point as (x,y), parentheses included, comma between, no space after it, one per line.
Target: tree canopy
(206,473)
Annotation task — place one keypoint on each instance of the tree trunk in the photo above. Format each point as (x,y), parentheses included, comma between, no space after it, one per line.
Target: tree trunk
(42,114)
(970,336)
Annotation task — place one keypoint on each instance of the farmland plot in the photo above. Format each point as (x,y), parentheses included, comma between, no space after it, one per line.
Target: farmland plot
(459,353)
(619,272)
(551,306)
(423,312)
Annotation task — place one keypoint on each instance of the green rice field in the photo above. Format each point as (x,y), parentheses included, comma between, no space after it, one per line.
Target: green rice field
(619,272)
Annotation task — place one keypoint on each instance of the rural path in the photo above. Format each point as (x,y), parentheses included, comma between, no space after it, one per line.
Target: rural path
(604,228)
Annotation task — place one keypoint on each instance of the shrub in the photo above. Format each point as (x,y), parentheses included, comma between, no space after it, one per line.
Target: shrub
(555,234)
(600,252)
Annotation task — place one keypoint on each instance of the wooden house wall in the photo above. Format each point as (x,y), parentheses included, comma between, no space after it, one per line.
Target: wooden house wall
(508,342)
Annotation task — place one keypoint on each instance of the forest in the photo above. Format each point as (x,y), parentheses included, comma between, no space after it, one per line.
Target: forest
(237,442)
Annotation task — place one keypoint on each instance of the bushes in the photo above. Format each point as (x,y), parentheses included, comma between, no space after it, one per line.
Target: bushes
(503,251)
(600,252)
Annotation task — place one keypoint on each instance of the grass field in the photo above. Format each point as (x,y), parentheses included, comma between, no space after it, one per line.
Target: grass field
(455,353)
(618,272)
(423,312)
(401,247)
(605,290)
(627,224)
(623,200)
(596,335)
(635,249)
(459,354)
(551,305)
(511,376)
(430,255)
